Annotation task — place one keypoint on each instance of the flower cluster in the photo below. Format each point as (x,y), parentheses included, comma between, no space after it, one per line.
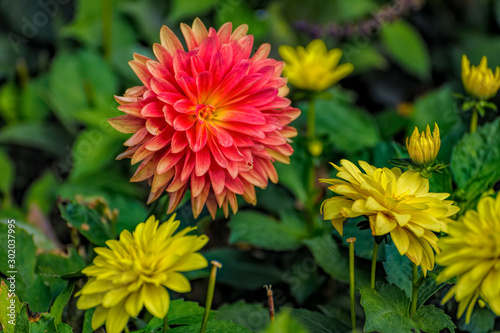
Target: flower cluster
(210,119)
(396,203)
(471,252)
(314,67)
(135,270)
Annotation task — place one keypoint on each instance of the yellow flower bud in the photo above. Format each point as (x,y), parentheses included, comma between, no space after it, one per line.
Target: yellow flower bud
(480,81)
(314,67)
(424,147)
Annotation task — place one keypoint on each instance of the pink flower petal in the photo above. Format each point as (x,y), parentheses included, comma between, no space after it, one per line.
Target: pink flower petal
(202,162)
(183,122)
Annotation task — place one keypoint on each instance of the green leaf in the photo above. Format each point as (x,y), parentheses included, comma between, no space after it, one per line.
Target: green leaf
(433,320)
(315,322)
(33,107)
(398,269)
(6,173)
(265,232)
(213,326)
(252,316)
(348,127)
(285,323)
(92,151)
(241,270)
(182,9)
(429,287)
(439,107)
(184,313)
(477,155)
(87,321)
(42,192)
(56,310)
(407,48)
(64,328)
(481,321)
(386,309)
(364,59)
(9,307)
(86,221)
(46,137)
(290,174)
(41,323)
(327,256)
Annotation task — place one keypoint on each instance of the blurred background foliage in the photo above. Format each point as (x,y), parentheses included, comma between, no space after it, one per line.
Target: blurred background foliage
(61,62)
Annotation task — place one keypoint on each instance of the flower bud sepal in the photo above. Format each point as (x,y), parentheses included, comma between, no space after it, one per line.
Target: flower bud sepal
(425,171)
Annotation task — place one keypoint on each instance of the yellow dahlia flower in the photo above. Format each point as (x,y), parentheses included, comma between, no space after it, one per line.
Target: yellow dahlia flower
(480,81)
(313,67)
(471,252)
(135,270)
(424,147)
(395,202)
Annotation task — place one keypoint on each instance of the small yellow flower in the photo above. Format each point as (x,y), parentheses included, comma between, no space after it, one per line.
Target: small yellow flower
(424,147)
(314,67)
(471,252)
(480,81)
(135,270)
(395,202)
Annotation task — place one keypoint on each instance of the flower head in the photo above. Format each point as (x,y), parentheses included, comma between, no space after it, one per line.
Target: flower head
(480,81)
(395,202)
(424,147)
(313,68)
(471,252)
(134,271)
(210,119)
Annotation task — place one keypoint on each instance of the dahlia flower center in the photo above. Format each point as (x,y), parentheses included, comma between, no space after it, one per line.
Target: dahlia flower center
(205,112)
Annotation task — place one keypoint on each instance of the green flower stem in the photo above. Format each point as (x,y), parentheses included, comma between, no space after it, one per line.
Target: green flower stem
(210,293)
(165,323)
(270,301)
(352,282)
(473,120)
(414,291)
(374,264)
(107,18)
(311,135)
(311,120)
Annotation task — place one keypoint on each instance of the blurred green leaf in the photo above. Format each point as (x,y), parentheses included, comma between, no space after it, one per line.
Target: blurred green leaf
(315,322)
(92,151)
(57,308)
(364,59)
(265,232)
(9,99)
(482,320)
(252,316)
(9,307)
(6,173)
(47,137)
(327,256)
(33,107)
(187,9)
(213,326)
(348,127)
(64,328)
(241,270)
(239,12)
(398,269)
(439,107)
(407,48)
(390,123)
(291,174)
(42,192)
(86,221)
(477,154)
(285,323)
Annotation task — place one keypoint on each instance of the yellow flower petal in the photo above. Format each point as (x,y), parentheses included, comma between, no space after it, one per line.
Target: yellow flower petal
(156,300)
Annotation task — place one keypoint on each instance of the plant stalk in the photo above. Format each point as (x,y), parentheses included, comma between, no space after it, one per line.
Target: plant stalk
(374,264)
(270,301)
(210,293)
(473,120)
(352,282)
(165,323)
(414,291)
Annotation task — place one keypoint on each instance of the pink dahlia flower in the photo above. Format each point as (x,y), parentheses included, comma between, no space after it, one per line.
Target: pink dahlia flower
(211,119)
